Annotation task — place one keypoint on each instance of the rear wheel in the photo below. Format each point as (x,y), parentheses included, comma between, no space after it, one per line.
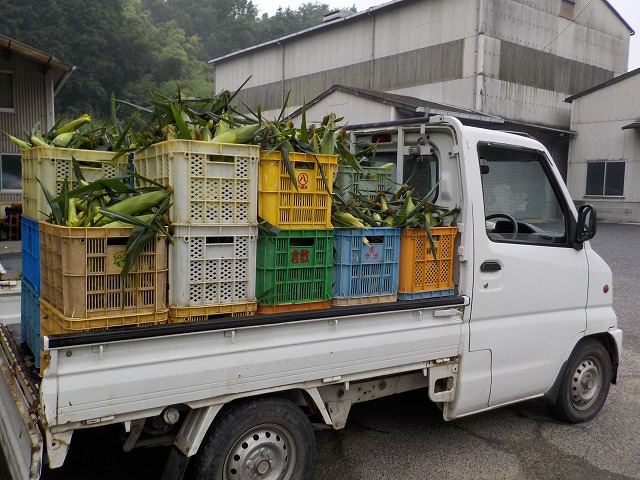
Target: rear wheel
(585,385)
(264,439)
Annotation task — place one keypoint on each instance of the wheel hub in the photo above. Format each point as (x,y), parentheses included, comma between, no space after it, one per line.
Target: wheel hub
(585,383)
(262,453)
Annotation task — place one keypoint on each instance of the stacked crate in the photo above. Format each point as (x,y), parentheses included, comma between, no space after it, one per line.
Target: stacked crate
(365,266)
(48,168)
(294,268)
(423,273)
(212,259)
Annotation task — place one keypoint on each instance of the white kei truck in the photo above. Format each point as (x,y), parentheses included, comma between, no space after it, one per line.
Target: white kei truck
(531,316)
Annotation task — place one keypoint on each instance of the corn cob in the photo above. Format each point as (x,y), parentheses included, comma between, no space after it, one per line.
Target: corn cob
(134,205)
(38,141)
(241,135)
(327,144)
(73,125)
(63,139)
(117,224)
(21,143)
(348,220)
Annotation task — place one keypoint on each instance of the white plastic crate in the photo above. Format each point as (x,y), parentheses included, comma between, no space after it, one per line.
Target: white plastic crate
(214,183)
(212,265)
(53,165)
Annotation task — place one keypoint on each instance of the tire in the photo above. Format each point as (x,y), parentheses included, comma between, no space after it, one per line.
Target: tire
(264,439)
(585,383)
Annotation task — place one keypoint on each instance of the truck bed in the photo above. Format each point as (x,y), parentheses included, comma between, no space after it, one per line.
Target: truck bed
(124,374)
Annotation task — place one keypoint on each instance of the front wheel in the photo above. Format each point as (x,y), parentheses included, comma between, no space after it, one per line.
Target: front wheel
(585,384)
(264,439)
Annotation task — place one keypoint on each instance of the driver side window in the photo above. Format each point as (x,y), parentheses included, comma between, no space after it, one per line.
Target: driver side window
(520,203)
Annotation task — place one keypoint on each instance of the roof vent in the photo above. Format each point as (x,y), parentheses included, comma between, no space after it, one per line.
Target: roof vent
(336,15)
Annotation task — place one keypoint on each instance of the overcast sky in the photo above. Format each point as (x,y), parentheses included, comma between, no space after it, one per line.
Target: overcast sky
(628,9)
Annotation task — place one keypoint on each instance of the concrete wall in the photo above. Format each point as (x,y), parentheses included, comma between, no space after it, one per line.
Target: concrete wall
(517,59)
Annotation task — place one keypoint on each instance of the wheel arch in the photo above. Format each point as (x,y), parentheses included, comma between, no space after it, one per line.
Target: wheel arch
(202,419)
(607,342)
(228,421)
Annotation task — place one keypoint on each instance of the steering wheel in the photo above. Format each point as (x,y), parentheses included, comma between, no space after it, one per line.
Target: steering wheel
(512,220)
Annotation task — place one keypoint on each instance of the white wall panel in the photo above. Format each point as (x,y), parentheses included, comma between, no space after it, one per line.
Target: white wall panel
(356,110)
(524,103)
(598,118)
(596,36)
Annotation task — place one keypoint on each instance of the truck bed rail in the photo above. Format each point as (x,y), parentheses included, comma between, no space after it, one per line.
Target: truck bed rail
(226,323)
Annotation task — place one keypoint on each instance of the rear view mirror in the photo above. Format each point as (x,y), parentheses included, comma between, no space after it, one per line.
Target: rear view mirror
(587,223)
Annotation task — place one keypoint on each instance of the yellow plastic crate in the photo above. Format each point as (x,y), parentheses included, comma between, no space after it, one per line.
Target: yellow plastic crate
(80,272)
(52,165)
(418,271)
(53,322)
(281,204)
(205,312)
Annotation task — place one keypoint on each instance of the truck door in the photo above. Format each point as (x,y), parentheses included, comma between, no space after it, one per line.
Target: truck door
(530,283)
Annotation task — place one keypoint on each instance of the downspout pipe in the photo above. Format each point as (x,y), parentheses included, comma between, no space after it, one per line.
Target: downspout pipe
(479,90)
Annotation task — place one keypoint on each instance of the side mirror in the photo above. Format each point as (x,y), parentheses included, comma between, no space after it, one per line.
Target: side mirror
(587,223)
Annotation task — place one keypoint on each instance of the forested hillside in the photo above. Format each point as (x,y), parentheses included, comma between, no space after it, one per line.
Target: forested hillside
(134,47)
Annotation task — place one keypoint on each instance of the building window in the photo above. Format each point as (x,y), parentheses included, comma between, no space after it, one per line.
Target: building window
(6,91)
(605,178)
(10,173)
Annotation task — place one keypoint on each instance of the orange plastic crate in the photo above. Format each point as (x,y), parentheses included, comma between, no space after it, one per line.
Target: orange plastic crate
(418,270)
(80,272)
(281,204)
(293,307)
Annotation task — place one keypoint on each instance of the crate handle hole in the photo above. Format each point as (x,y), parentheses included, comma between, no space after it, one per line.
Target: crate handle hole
(220,240)
(302,242)
(119,241)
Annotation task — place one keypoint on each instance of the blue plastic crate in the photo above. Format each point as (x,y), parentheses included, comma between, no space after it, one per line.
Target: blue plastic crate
(442,292)
(31,252)
(366,261)
(30,320)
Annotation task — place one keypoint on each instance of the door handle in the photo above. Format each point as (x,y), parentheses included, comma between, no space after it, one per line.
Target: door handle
(490,266)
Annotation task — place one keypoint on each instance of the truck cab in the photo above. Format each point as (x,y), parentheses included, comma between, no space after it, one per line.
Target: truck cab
(536,289)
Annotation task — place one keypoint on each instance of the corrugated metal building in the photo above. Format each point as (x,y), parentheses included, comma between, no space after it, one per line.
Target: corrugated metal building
(29,79)
(517,59)
(604,156)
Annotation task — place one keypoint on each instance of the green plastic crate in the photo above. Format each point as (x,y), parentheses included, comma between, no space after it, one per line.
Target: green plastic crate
(368,183)
(294,265)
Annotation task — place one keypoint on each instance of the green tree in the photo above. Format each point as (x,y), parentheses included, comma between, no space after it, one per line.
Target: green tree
(134,47)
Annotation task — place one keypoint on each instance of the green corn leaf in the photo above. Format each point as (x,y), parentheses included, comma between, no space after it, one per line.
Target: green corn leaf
(183,128)
(284,150)
(303,124)
(284,107)
(56,211)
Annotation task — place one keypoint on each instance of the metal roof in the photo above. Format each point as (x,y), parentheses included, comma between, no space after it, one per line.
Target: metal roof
(412,105)
(61,70)
(602,85)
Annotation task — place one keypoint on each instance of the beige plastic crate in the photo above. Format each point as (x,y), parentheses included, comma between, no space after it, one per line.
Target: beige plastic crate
(80,272)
